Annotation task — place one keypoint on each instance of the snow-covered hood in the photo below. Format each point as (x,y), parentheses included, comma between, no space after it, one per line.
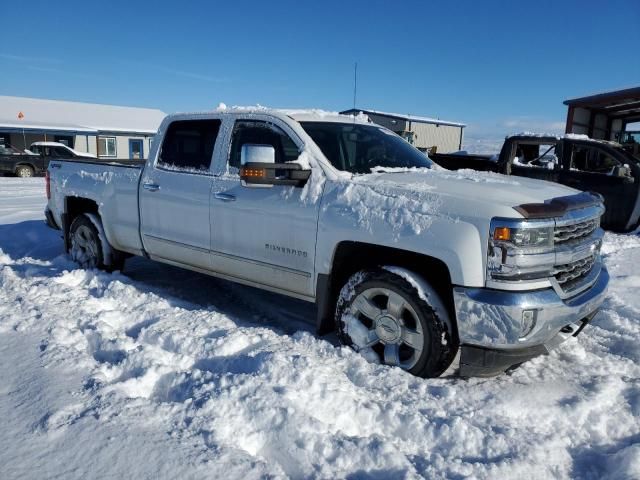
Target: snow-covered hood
(469,192)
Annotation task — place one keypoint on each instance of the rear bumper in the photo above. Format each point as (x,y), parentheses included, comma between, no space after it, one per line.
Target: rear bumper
(499,329)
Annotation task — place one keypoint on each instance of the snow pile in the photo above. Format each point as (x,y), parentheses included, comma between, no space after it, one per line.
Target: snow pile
(312,190)
(163,373)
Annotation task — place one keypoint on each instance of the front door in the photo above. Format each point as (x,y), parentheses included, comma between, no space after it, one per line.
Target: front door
(175,194)
(596,169)
(536,160)
(136,151)
(265,235)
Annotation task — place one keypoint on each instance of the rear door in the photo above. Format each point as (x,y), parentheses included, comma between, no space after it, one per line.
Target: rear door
(175,194)
(265,235)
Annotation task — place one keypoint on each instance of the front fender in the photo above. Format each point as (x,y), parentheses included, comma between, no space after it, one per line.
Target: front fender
(347,216)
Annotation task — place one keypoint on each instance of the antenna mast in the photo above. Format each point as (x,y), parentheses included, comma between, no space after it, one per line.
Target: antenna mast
(355,84)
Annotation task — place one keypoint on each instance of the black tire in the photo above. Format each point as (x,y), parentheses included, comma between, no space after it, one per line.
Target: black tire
(24,171)
(87,249)
(439,345)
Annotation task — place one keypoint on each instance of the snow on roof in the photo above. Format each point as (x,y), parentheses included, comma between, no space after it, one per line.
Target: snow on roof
(413,118)
(324,116)
(49,144)
(76,116)
(298,114)
(568,136)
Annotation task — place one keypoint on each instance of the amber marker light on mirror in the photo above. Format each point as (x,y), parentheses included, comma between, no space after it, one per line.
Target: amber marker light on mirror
(253,172)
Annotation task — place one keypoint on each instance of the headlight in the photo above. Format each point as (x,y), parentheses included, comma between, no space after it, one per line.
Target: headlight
(524,237)
(520,250)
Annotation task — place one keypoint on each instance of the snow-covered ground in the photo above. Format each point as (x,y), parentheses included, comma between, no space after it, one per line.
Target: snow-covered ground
(162,373)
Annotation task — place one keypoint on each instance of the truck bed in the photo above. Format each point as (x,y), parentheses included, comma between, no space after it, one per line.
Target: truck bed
(117,162)
(112,186)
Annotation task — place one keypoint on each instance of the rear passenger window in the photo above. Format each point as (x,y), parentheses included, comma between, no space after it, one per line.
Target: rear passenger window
(594,160)
(261,133)
(188,145)
(60,152)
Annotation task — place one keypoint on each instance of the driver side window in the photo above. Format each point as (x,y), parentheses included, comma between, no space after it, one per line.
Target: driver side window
(261,133)
(536,155)
(602,162)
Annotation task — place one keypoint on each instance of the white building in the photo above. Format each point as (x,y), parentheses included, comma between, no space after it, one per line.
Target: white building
(422,132)
(106,130)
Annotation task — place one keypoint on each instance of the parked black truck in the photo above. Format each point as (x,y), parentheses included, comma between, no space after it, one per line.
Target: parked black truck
(574,160)
(28,163)
(22,164)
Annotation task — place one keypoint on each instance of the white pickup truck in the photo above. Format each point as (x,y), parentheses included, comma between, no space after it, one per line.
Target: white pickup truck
(414,266)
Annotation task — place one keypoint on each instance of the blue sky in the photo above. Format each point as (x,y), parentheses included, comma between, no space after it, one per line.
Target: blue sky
(499,66)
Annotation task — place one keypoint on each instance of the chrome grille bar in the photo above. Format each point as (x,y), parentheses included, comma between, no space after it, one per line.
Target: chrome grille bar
(577,231)
(573,271)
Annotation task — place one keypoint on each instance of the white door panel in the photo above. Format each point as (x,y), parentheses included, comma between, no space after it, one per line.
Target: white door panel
(265,235)
(175,194)
(175,218)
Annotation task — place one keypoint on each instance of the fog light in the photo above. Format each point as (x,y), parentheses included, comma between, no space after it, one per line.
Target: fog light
(528,322)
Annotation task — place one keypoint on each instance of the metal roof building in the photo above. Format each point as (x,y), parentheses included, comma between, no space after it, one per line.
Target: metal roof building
(424,133)
(106,130)
(604,115)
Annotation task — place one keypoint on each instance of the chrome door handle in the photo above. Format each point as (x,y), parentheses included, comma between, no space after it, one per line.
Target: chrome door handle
(225,197)
(152,187)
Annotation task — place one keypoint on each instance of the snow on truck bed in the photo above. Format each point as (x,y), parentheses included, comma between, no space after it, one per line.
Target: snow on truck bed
(162,373)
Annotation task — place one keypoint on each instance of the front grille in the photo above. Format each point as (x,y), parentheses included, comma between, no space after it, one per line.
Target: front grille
(571,273)
(577,231)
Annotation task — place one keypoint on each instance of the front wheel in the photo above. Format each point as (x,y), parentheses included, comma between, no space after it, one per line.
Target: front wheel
(380,313)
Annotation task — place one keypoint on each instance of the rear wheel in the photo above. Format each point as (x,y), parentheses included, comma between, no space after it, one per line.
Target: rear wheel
(87,246)
(24,171)
(380,313)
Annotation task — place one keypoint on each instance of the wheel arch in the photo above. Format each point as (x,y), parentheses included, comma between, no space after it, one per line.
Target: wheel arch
(74,206)
(350,257)
(25,164)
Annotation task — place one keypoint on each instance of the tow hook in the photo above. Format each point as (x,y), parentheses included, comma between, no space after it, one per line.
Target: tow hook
(584,323)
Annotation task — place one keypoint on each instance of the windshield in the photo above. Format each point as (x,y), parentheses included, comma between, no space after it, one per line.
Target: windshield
(357,148)
(8,150)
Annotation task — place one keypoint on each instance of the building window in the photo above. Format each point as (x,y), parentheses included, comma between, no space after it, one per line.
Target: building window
(107,146)
(64,139)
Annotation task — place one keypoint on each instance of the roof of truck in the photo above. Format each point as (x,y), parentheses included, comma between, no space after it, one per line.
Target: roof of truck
(299,115)
(567,136)
(405,116)
(51,144)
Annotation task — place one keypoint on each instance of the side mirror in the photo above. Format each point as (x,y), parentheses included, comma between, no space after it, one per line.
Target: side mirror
(260,174)
(252,153)
(258,168)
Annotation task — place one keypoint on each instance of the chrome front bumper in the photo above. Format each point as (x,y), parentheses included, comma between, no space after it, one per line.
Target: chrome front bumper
(493,319)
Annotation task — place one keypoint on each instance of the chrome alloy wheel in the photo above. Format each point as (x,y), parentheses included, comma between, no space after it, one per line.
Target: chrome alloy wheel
(84,247)
(393,328)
